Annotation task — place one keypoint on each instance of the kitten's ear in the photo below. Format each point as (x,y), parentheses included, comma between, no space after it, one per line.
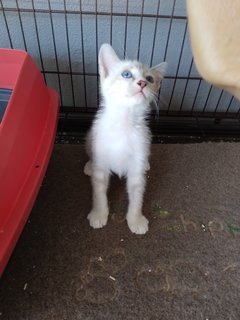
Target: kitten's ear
(161,69)
(107,58)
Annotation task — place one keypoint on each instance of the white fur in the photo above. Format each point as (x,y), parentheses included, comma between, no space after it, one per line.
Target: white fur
(119,140)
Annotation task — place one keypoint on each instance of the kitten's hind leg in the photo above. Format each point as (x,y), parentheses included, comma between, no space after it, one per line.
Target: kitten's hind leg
(88,168)
(99,214)
(136,221)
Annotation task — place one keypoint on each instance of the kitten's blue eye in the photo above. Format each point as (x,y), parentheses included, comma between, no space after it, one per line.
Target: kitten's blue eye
(127,74)
(150,79)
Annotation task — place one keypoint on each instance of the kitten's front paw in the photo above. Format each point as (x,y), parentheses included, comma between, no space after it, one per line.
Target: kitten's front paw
(97,220)
(138,225)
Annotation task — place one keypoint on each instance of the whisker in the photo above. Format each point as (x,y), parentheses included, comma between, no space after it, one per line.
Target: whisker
(154,99)
(157,102)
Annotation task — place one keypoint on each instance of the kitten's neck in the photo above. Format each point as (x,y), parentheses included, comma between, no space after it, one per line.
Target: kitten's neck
(136,111)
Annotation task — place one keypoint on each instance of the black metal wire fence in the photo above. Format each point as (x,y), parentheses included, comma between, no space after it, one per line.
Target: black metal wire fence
(64,36)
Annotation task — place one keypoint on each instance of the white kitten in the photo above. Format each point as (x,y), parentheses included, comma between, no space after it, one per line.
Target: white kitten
(119,140)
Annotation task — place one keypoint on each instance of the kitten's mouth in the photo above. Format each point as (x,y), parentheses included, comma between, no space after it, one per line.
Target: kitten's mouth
(141,93)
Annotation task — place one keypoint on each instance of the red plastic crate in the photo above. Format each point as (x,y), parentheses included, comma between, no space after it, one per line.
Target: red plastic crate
(27,133)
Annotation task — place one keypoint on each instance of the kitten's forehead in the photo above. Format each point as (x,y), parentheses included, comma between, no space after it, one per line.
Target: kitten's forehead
(133,65)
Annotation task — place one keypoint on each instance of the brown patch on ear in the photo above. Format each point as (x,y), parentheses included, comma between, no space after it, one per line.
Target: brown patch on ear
(157,79)
(159,70)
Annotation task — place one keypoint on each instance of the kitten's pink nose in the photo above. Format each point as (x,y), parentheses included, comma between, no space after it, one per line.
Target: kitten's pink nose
(142,83)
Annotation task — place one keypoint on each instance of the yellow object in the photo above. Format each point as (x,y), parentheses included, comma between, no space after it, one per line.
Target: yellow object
(214,27)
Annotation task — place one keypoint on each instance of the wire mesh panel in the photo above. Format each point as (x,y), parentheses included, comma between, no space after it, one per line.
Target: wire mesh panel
(64,38)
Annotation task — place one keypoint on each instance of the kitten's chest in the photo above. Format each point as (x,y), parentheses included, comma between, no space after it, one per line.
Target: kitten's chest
(125,126)
(120,150)
(120,146)
(120,139)
(124,132)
